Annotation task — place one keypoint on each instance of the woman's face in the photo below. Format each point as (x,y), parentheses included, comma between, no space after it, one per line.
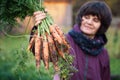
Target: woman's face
(90,25)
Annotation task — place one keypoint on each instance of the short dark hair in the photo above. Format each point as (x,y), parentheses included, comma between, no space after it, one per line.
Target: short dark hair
(98,8)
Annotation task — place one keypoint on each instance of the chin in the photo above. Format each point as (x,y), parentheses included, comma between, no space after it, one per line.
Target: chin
(87,33)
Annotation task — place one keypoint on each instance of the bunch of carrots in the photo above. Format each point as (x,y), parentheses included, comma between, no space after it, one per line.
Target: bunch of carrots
(48,46)
(47,41)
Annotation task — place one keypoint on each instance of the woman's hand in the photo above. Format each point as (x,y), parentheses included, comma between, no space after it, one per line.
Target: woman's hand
(38,16)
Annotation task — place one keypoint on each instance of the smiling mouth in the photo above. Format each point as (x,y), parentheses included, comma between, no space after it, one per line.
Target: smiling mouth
(88,27)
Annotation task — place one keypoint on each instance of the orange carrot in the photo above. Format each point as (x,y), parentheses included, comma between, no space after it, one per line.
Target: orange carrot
(31,43)
(37,51)
(61,34)
(59,49)
(53,52)
(45,54)
(55,34)
(65,43)
(58,29)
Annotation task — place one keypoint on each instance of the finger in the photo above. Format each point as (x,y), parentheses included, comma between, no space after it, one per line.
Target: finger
(39,17)
(37,22)
(37,12)
(46,10)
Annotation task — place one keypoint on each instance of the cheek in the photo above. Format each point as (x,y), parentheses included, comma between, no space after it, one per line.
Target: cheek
(83,22)
(97,26)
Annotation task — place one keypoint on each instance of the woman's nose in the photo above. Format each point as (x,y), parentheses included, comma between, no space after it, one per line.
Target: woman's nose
(89,21)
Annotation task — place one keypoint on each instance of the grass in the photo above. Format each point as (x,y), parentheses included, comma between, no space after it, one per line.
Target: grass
(115,66)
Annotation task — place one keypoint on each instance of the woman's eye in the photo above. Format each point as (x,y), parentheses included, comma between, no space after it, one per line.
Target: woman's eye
(87,17)
(96,20)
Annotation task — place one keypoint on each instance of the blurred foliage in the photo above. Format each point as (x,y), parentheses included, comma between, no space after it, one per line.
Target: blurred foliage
(114,5)
(12,10)
(18,64)
(113,44)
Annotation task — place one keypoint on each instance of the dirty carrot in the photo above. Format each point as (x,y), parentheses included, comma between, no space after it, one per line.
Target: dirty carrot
(65,43)
(59,49)
(55,34)
(53,52)
(58,29)
(32,42)
(37,51)
(45,54)
(60,32)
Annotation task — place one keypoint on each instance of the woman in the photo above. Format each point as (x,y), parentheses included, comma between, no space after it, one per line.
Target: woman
(87,39)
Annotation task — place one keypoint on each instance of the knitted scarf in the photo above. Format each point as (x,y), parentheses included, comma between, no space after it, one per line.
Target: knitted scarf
(89,46)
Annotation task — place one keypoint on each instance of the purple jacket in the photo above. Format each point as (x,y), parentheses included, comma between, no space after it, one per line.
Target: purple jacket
(89,67)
